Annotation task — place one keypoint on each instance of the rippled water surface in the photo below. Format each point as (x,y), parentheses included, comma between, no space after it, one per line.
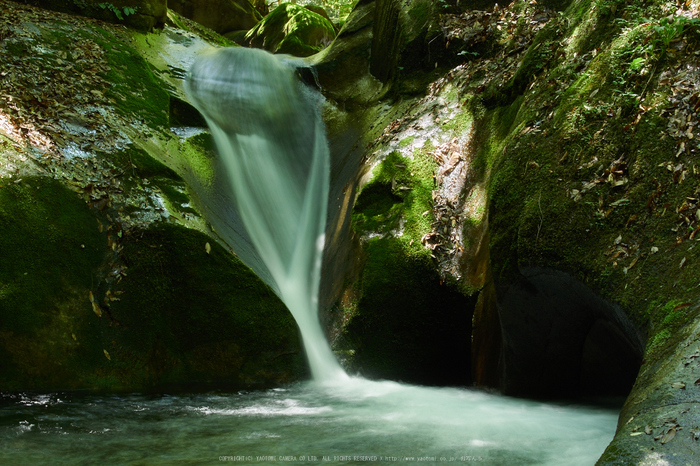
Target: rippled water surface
(302,423)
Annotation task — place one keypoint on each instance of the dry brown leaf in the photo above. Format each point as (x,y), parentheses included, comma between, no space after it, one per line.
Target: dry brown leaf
(669,436)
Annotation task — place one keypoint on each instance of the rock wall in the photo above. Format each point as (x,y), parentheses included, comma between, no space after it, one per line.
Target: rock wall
(140,14)
(111,279)
(559,195)
(221,16)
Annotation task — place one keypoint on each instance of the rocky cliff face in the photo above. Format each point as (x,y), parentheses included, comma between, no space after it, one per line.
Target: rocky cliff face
(110,277)
(541,164)
(143,15)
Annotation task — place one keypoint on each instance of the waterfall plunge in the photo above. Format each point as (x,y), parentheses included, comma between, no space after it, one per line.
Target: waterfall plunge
(272,144)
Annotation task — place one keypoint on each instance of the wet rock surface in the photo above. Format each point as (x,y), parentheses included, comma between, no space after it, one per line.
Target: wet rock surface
(104,239)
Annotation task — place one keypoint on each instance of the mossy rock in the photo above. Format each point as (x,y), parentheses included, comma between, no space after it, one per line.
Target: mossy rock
(408,325)
(221,16)
(178,315)
(51,249)
(143,15)
(190,314)
(292,29)
(101,285)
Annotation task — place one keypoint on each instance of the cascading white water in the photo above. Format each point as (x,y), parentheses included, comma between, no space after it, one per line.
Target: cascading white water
(272,144)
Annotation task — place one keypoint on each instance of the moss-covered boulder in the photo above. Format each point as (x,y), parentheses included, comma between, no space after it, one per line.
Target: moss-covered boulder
(403,322)
(110,278)
(292,29)
(140,14)
(221,16)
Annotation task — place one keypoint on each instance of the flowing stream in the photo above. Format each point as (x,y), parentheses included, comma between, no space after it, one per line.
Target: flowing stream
(273,150)
(357,421)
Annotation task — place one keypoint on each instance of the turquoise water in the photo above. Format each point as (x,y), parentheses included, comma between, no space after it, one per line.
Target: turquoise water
(355,422)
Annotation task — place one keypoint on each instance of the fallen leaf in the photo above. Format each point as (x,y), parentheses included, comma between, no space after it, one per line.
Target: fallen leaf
(669,436)
(681,306)
(207,248)
(648,430)
(107,354)
(679,385)
(682,263)
(96,309)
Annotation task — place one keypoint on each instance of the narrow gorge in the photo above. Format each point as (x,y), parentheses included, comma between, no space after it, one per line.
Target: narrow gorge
(511,207)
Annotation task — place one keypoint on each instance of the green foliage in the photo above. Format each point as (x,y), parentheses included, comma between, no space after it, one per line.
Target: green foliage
(292,29)
(670,28)
(119,13)
(339,8)
(637,64)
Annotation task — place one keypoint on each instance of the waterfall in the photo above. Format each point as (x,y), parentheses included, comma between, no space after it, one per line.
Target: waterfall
(273,149)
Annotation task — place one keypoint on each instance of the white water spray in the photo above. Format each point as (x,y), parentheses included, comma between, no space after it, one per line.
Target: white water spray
(271,140)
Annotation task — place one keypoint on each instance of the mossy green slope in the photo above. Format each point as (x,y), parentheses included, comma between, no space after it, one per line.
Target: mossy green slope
(102,286)
(588,174)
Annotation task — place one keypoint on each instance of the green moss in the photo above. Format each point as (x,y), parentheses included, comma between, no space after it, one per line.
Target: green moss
(406,141)
(292,29)
(658,340)
(566,129)
(51,251)
(50,245)
(407,323)
(199,153)
(133,89)
(182,302)
(136,91)
(191,26)
(399,197)
(419,14)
